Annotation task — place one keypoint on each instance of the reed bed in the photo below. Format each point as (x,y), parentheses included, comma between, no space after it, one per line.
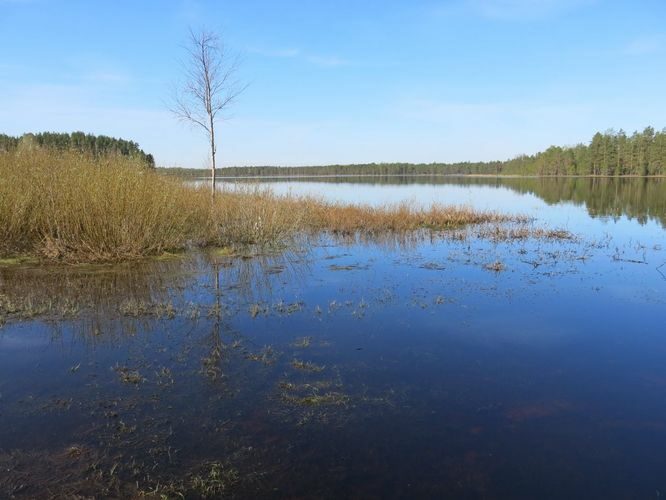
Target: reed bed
(76,207)
(350,219)
(71,207)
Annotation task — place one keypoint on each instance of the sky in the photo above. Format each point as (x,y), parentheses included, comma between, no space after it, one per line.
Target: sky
(340,81)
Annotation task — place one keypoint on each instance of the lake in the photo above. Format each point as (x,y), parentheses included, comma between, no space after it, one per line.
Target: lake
(417,366)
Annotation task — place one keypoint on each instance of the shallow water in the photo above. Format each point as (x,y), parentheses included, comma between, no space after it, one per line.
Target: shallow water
(400,368)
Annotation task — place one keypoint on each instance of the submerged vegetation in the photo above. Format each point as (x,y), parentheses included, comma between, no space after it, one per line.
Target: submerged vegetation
(78,207)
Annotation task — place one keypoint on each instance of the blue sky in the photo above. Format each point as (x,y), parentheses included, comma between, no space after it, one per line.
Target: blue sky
(341,81)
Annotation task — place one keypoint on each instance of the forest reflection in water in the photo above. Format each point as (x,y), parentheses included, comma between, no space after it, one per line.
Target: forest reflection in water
(642,199)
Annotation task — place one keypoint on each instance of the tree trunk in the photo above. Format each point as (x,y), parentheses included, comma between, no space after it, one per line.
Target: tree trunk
(212,156)
(212,172)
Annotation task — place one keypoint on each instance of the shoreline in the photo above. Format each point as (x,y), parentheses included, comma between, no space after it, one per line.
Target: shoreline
(361,176)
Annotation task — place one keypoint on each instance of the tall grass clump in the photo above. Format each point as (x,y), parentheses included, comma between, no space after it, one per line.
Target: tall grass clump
(401,217)
(255,216)
(69,206)
(79,208)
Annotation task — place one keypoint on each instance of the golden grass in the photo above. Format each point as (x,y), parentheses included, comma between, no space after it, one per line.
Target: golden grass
(77,208)
(395,218)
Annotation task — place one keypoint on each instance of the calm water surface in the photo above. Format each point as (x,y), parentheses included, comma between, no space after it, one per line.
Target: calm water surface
(402,368)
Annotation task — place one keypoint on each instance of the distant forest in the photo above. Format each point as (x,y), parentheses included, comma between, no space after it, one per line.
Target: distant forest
(78,141)
(608,154)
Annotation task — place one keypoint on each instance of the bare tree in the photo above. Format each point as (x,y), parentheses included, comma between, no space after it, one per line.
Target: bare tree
(209,87)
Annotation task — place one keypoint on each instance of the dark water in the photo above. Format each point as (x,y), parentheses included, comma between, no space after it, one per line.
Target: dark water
(402,368)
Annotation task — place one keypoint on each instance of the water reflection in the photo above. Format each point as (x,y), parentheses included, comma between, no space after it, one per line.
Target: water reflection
(417,368)
(642,199)
(106,299)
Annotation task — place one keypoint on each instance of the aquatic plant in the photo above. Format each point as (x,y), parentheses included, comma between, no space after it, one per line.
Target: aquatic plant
(307,366)
(496,266)
(302,342)
(128,375)
(267,355)
(315,399)
(214,481)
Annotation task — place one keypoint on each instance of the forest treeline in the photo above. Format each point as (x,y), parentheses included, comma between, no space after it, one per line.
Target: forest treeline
(609,154)
(96,145)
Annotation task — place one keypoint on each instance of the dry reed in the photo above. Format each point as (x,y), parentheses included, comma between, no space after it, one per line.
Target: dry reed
(77,208)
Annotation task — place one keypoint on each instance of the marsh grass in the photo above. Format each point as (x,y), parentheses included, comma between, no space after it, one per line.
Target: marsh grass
(307,366)
(71,207)
(23,307)
(266,356)
(522,231)
(74,207)
(350,219)
(496,266)
(136,308)
(214,481)
(302,342)
(326,399)
(79,471)
(128,376)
